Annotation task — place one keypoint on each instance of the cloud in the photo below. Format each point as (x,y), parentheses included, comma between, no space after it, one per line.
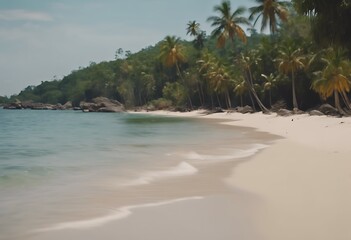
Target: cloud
(24,15)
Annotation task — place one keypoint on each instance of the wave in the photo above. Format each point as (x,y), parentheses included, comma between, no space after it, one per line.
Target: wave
(118,214)
(233,154)
(183,169)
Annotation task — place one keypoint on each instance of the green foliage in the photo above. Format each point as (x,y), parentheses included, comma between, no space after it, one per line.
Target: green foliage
(176,93)
(330,21)
(257,69)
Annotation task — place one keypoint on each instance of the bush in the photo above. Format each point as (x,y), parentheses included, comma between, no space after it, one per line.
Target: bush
(160,104)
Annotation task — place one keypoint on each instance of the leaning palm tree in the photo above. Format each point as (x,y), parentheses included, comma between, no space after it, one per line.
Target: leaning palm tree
(334,79)
(291,61)
(227,24)
(246,61)
(270,11)
(172,54)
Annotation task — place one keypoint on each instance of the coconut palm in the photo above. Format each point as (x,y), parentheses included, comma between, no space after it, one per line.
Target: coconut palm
(240,88)
(290,62)
(220,81)
(172,54)
(227,24)
(193,28)
(270,11)
(246,61)
(269,83)
(334,79)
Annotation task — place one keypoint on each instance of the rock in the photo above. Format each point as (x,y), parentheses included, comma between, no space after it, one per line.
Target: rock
(102,104)
(42,106)
(68,105)
(278,105)
(88,107)
(13,105)
(327,109)
(284,112)
(316,113)
(244,110)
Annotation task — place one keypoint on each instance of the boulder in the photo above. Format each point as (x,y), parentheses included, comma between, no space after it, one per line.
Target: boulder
(316,113)
(13,105)
(327,109)
(284,112)
(244,110)
(102,104)
(68,105)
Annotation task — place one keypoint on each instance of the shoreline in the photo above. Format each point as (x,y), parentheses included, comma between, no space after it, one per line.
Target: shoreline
(303,179)
(298,188)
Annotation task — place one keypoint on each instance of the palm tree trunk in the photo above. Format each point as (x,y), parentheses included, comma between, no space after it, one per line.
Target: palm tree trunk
(241,100)
(219,101)
(228,99)
(296,107)
(250,84)
(346,100)
(337,103)
(270,98)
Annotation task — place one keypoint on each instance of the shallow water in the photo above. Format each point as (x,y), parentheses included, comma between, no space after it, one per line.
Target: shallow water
(61,165)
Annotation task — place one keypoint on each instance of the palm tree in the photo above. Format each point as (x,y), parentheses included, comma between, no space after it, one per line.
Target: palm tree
(290,61)
(334,79)
(269,11)
(220,81)
(269,82)
(227,23)
(245,61)
(240,88)
(193,28)
(172,54)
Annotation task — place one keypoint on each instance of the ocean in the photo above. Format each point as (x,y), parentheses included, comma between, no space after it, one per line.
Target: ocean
(60,167)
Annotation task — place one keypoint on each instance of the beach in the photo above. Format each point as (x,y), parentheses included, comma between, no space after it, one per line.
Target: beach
(298,187)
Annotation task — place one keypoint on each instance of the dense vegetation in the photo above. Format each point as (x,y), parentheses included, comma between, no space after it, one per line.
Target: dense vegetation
(302,63)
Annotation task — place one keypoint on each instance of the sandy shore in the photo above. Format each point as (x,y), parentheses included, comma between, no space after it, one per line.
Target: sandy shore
(298,188)
(303,180)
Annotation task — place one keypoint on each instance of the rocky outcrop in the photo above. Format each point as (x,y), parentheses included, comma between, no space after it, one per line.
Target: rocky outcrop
(327,109)
(244,110)
(13,105)
(102,104)
(68,105)
(316,113)
(284,112)
(36,106)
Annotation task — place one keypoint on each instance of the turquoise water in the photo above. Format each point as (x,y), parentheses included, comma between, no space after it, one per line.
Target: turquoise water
(55,164)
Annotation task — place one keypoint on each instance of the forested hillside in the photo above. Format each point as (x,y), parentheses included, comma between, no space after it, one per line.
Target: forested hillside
(302,63)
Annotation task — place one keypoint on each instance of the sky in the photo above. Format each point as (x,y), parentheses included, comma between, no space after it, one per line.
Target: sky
(42,40)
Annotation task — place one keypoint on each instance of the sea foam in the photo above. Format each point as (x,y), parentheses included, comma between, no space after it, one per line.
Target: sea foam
(182,169)
(118,214)
(232,154)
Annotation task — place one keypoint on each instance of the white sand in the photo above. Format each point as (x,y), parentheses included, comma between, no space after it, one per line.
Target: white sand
(304,180)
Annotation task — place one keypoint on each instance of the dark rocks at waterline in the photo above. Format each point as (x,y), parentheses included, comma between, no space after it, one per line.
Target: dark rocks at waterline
(34,106)
(102,104)
(14,105)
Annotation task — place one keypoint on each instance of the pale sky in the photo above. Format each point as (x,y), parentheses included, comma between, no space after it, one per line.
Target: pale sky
(40,39)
